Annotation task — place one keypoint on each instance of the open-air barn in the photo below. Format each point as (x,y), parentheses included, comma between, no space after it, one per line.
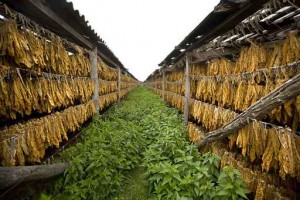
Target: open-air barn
(219,118)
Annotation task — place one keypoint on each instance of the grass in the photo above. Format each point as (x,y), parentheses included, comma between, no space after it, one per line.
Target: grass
(136,186)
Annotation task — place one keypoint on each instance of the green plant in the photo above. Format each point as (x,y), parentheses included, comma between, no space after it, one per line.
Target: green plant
(45,197)
(231,185)
(143,133)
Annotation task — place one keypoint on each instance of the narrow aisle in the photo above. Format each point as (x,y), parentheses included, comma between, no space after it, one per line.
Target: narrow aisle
(140,151)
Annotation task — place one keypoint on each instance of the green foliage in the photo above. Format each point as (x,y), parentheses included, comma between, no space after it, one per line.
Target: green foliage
(230,184)
(176,170)
(144,130)
(100,163)
(45,197)
(112,147)
(136,186)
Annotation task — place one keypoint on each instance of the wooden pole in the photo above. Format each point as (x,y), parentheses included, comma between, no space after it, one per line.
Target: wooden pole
(164,84)
(12,175)
(259,109)
(94,76)
(119,87)
(187,91)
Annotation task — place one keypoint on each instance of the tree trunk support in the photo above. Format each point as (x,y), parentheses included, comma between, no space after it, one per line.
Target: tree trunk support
(119,87)
(187,91)
(94,76)
(164,84)
(262,107)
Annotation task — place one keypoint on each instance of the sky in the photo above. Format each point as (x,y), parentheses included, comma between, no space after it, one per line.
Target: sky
(141,33)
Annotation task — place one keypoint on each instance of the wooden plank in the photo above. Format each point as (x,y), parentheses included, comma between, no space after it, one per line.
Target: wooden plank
(258,110)
(169,69)
(119,87)
(208,55)
(187,91)
(94,76)
(217,53)
(10,176)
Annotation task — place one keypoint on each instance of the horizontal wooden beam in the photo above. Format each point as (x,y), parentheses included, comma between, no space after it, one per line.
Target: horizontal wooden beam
(198,57)
(13,175)
(222,27)
(258,110)
(52,15)
(208,55)
(105,58)
(66,27)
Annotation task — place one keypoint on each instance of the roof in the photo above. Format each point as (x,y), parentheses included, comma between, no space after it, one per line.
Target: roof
(215,24)
(60,17)
(223,33)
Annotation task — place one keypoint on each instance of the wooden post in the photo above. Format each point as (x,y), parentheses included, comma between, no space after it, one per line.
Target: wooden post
(163,84)
(187,91)
(119,87)
(94,76)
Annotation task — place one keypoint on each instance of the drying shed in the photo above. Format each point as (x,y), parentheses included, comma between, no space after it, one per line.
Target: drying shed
(54,70)
(236,79)
(61,18)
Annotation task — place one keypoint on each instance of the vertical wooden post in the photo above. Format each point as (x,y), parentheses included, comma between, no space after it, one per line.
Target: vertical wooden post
(187,91)
(94,76)
(163,84)
(119,87)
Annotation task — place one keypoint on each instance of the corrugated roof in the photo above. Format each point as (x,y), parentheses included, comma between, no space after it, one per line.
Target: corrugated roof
(260,20)
(42,12)
(215,24)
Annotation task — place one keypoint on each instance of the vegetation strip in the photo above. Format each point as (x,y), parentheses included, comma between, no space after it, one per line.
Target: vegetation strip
(144,135)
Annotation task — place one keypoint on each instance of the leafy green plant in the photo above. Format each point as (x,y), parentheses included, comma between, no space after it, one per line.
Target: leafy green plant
(230,184)
(176,170)
(143,133)
(45,197)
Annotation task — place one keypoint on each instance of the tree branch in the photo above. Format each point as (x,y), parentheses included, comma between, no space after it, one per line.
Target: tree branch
(265,105)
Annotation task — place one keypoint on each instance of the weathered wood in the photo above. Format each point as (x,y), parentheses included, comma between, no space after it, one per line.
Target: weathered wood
(94,76)
(164,84)
(61,22)
(264,106)
(222,26)
(200,57)
(44,8)
(208,55)
(169,69)
(187,91)
(119,87)
(12,175)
